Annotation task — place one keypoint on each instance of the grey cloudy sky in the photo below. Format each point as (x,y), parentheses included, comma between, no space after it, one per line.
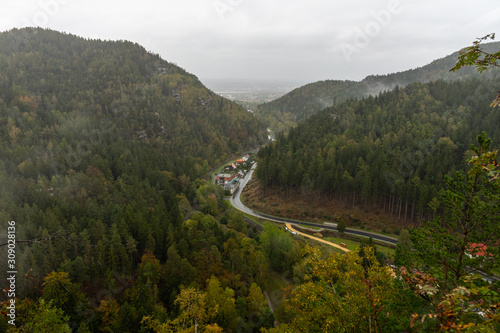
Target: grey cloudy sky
(273,39)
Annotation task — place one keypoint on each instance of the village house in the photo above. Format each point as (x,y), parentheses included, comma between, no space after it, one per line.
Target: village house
(478,250)
(224,177)
(230,167)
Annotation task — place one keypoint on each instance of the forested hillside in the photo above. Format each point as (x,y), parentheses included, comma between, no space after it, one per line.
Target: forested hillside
(414,152)
(287,111)
(84,90)
(109,226)
(102,147)
(392,150)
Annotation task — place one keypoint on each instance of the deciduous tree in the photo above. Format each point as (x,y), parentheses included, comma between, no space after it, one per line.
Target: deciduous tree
(194,309)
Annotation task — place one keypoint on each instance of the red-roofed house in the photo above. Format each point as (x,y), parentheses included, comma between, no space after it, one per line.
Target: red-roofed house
(478,250)
(223,177)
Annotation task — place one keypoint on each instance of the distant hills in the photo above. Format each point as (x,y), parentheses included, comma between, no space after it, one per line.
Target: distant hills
(301,103)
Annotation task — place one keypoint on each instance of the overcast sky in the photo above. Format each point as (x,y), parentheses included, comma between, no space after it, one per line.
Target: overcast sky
(273,39)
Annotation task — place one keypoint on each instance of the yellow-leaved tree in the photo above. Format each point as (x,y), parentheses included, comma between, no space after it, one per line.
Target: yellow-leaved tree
(349,292)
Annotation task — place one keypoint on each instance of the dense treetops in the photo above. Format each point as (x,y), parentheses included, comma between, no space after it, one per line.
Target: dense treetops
(438,281)
(60,91)
(396,146)
(102,145)
(286,111)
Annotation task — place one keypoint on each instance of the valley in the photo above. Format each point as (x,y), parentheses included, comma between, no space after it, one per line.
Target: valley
(112,223)
(252,92)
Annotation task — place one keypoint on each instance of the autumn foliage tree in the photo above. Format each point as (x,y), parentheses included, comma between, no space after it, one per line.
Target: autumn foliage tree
(64,294)
(44,317)
(194,309)
(343,293)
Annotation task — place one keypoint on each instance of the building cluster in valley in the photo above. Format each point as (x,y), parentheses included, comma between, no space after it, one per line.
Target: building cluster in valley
(232,173)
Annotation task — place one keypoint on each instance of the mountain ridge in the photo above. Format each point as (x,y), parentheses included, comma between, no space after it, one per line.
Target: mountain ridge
(64,79)
(302,102)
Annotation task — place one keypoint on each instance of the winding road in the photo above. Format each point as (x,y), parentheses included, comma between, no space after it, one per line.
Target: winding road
(236,202)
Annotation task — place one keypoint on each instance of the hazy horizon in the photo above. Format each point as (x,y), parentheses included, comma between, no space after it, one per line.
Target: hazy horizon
(259,40)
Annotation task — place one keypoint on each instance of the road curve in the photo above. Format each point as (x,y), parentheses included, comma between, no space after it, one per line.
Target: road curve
(236,202)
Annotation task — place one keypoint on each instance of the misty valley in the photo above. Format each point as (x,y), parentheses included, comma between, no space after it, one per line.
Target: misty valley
(136,197)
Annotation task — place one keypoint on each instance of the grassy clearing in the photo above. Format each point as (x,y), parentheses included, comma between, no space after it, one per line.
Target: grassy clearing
(325,249)
(311,227)
(224,165)
(388,251)
(350,244)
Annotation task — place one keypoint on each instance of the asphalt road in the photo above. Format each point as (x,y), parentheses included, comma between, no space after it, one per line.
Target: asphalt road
(236,202)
